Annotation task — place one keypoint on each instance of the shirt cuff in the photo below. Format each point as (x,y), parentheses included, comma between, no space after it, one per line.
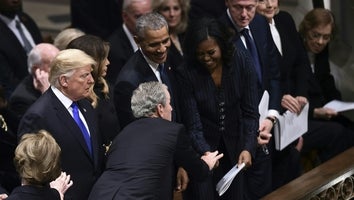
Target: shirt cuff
(273,113)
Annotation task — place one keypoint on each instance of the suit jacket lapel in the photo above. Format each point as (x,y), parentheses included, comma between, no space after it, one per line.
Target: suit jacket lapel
(66,118)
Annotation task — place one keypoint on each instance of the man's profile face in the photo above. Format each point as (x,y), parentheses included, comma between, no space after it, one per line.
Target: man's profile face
(242,11)
(155,44)
(78,85)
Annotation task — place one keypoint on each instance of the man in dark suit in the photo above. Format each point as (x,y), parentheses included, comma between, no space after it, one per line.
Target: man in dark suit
(140,160)
(36,83)
(121,41)
(64,111)
(144,66)
(242,18)
(13,56)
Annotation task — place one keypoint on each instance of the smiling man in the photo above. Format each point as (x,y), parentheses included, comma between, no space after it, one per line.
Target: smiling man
(147,64)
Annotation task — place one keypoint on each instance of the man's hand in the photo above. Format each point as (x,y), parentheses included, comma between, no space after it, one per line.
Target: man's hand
(264,132)
(182,180)
(3,196)
(40,80)
(212,159)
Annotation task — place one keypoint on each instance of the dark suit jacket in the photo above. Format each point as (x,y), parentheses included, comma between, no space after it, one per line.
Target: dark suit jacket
(140,161)
(50,114)
(268,57)
(202,8)
(29,192)
(293,63)
(120,52)
(23,96)
(134,72)
(13,57)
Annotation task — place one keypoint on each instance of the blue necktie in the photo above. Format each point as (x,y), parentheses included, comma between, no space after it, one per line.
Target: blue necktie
(251,47)
(82,126)
(27,45)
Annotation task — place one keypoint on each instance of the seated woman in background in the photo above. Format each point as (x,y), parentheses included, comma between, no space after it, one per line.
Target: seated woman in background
(37,159)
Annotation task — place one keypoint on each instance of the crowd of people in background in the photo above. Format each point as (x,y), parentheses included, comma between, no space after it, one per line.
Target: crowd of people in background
(139,99)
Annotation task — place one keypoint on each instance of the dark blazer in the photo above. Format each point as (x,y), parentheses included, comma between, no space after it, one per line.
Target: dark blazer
(29,192)
(293,63)
(50,114)
(134,72)
(268,57)
(140,161)
(223,119)
(13,57)
(23,96)
(120,52)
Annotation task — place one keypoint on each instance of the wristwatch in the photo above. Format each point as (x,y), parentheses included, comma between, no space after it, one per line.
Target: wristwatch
(273,120)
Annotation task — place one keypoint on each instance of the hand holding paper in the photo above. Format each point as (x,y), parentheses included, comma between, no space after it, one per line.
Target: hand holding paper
(226,181)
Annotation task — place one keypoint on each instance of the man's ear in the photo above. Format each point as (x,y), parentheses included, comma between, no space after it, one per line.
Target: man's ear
(63,81)
(159,110)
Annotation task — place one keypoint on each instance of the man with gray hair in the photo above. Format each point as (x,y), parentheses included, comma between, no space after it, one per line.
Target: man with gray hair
(65,112)
(36,83)
(121,40)
(141,159)
(147,64)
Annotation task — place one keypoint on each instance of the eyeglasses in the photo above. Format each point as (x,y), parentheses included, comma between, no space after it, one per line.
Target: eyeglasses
(317,36)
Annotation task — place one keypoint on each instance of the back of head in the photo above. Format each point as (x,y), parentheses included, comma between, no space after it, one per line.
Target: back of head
(93,46)
(37,158)
(65,37)
(315,18)
(150,21)
(203,28)
(66,62)
(41,54)
(146,98)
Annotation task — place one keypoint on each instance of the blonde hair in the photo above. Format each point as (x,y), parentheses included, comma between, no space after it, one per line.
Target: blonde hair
(66,62)
(66,36)
(37,158)
(157,6)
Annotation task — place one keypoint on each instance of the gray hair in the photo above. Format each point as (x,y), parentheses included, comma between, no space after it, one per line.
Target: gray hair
(40,54)
(127,3)
(150,21)
(146,98)
(66,62)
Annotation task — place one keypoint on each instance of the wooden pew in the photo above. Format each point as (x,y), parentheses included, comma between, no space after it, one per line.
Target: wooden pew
(333,179)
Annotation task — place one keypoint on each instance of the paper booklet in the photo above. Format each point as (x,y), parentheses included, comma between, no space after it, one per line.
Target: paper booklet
(226,181)
(289,126)
(340,106)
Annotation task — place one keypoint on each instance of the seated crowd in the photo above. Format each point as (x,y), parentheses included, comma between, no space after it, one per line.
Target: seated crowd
(167,102)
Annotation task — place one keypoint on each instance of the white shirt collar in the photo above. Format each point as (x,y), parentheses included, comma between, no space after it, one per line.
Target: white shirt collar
(130,37)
